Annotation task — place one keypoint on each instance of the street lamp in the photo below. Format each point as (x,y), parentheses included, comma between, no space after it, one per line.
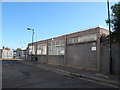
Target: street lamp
(36,48)
(32,40)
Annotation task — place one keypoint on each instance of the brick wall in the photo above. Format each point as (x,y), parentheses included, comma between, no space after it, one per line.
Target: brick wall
(81,56)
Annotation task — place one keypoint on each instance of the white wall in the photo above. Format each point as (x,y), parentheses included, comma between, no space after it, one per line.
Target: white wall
(7,54)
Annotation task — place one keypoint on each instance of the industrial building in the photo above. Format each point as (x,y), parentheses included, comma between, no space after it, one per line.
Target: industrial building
(79,49)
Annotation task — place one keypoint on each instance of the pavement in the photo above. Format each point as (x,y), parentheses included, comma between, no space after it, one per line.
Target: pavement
(10,59)
(92,76)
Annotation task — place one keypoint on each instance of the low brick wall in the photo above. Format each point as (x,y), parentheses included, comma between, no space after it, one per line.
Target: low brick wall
(56,59)
(42,58)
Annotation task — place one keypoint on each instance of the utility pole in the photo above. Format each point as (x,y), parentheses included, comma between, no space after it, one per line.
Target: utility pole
(32,39)
(110,57)
(36,48)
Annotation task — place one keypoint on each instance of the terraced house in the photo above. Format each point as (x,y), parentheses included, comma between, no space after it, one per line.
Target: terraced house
(79,49)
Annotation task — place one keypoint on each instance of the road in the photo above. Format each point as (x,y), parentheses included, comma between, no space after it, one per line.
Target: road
(19,75)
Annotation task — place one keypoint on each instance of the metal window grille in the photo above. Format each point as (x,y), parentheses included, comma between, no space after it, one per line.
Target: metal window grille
(42,49)
(85,38)
(56,47)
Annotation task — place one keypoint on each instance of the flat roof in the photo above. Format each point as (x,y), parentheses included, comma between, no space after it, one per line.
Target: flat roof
(82,30)
(74,32)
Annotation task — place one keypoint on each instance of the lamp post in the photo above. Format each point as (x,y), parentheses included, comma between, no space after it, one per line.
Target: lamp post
(109,39)
(36,49)
(32,40)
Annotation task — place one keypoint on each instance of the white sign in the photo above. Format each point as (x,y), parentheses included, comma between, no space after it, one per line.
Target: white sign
(93,48)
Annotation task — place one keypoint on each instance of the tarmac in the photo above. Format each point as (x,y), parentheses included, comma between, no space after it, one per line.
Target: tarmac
(92,76)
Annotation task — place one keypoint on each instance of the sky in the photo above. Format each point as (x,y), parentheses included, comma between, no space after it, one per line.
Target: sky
(48,19)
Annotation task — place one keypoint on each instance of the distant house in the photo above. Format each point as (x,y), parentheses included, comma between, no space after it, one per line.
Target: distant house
(6,53)
(21,54)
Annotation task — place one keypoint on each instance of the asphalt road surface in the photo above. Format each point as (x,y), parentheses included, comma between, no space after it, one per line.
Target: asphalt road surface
(19,75)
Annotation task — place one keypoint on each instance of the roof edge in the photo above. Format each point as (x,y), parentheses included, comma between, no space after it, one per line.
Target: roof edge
(75,32)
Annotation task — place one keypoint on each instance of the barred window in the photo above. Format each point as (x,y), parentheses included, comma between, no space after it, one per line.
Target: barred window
(30,49)
(70,40)
(42,49)
(85,38)
(56,47)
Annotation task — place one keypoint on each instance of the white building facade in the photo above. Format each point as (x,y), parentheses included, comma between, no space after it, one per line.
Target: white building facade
(6,53)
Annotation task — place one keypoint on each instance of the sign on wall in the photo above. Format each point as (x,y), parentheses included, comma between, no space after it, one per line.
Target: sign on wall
(93,48)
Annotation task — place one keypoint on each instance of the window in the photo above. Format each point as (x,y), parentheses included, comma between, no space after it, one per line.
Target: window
(42,49)
(30,50)
(85,38)
(70,40)
(56,47)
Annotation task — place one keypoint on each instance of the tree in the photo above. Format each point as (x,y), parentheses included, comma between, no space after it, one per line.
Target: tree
(7,48)
(115,22)
(18,48)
